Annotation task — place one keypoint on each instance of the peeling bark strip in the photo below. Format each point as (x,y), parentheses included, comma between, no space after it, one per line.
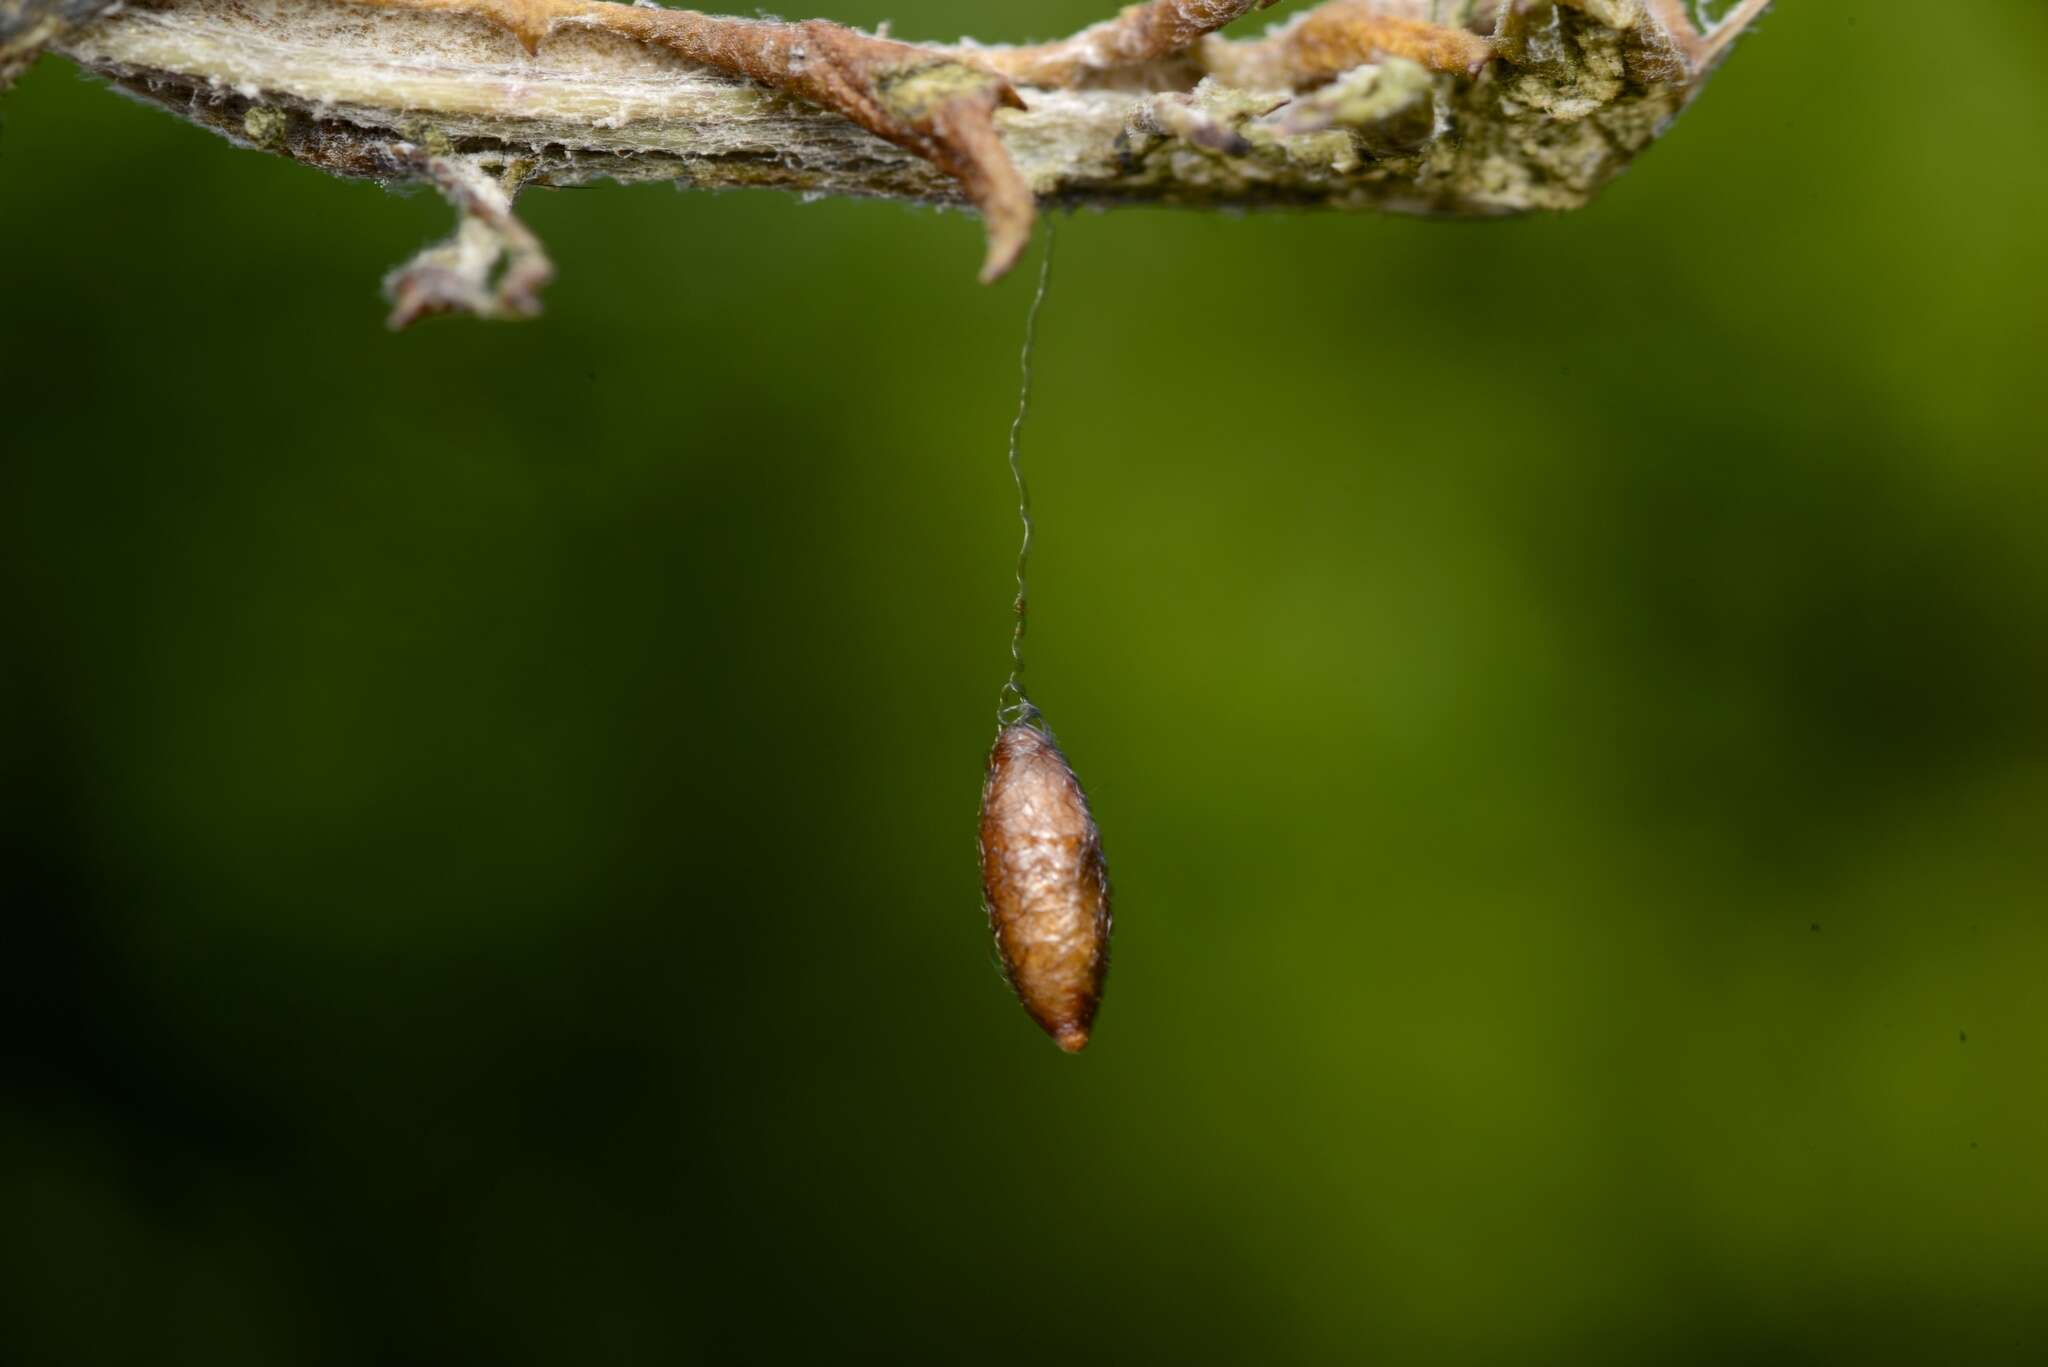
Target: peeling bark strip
(1045,882)
(1516,105)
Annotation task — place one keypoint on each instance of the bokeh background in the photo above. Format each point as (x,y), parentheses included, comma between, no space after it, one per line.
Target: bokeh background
(488,812)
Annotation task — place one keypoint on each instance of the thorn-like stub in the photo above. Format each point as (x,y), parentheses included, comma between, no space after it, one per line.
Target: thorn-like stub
(1046,886)
(1008,231)
(963,142)
(945,110)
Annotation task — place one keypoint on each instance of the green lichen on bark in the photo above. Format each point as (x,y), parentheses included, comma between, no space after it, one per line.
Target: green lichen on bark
(1567,119)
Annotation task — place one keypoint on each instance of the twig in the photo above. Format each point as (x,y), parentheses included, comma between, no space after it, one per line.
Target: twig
(1356,104)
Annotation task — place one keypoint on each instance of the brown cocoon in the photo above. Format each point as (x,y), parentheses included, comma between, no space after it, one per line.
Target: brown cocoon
(1045,882)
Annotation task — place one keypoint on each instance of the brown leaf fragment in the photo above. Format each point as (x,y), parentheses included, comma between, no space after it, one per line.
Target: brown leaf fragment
(1138,35)
(527,20)
(1339,35)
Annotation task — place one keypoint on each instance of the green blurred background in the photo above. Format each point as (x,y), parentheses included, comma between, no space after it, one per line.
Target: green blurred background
(489,811)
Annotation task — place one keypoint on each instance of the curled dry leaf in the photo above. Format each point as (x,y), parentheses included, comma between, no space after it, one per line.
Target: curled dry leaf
(492,267)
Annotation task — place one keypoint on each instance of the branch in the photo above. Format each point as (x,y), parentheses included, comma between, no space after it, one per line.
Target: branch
(1357,104)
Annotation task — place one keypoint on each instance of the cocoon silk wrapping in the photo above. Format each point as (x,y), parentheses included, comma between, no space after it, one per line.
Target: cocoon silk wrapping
(1045,882)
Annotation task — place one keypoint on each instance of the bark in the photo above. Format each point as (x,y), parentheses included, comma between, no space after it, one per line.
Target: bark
(28,26)
(1358,104)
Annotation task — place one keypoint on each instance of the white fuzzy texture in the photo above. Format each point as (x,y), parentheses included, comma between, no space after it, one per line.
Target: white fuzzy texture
(586,89)
(384,92)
